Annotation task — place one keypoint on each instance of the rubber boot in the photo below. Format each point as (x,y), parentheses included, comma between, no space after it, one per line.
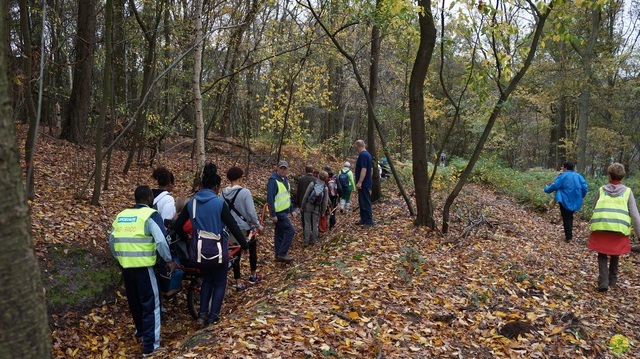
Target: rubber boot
(603,273)
(613,271)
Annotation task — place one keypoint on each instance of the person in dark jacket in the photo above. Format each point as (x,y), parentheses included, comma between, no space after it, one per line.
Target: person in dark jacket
(570,188)
(212,215)
(280,206)
(364,181)
(303,183)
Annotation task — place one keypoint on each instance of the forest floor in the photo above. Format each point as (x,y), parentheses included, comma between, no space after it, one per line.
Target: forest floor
(511,288)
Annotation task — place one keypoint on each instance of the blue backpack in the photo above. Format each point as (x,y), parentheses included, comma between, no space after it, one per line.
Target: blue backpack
(343,178)
(208,249)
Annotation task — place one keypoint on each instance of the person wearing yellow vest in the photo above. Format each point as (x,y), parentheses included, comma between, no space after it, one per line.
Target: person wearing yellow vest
(614,213)
(137,237)
(279,200)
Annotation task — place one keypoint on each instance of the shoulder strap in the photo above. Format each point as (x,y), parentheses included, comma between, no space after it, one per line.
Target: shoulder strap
(232,204)
(194,208)
(160,196)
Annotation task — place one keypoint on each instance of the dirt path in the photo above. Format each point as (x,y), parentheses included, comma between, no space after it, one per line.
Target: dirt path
(398,291)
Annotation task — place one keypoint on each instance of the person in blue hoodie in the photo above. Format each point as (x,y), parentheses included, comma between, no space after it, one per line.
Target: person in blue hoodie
(570,188)
(212,215)
(280,206)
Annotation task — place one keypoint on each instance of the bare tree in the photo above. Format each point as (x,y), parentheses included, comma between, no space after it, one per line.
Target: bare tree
(197,95)
(77,111)
(505,90)
(416,112)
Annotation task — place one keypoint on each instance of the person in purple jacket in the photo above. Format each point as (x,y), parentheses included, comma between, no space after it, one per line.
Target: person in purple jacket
(570,188)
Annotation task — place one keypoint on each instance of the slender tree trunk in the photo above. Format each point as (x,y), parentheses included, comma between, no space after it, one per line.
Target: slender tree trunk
(416,113)
(376,39)
(24,330)
(149,63)
(585,97)
(107,95)
(77,111)
(197,95)
(27,61)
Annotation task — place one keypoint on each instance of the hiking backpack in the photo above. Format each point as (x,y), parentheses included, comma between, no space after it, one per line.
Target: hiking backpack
(343,178)
(332,186)
(316,195)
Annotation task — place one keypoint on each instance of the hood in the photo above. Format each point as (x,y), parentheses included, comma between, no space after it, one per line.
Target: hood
(228,190)
(614,189)
(205,195)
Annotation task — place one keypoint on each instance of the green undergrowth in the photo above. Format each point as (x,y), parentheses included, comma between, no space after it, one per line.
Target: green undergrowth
(74,277)
(527,187)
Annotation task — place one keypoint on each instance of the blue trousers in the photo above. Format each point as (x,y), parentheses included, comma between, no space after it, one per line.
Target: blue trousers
(364,201)
(143,297)
(283,234)
(214,285)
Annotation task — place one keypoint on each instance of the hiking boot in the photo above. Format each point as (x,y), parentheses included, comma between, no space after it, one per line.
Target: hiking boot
(602,289)
(255,279)
(240,287)
(286,259)
(212,321)
(202,318)
(359,223)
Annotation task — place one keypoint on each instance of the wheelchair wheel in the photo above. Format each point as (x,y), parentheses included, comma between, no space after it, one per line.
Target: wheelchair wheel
(193,297)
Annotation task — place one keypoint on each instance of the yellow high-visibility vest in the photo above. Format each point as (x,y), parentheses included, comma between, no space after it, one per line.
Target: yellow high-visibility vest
(282,200)
(612,213)
(134,249)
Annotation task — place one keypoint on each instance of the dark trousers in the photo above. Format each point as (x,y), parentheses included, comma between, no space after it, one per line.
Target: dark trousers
(214,285)
(364,201)
(143,297)
(607,271)
(567,222)
(283,234)
(253,258)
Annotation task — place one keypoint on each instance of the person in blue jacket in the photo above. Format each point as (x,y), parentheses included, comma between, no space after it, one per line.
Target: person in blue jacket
(211,214)
(570,188)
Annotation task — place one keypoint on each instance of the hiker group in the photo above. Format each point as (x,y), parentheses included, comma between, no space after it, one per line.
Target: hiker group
(161,232)
(614,214)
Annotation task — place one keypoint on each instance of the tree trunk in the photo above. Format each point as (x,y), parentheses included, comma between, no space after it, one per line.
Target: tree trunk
(107,95)
(197,96)
(149,63)
(23,311)
(27,61)
(77,112)
(376,39)
(585,96)
(424,204)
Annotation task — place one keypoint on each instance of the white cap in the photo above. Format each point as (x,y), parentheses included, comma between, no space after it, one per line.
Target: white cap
(347,164)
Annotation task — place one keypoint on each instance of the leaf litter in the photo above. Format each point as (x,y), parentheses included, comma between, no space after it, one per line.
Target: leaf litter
(513,289)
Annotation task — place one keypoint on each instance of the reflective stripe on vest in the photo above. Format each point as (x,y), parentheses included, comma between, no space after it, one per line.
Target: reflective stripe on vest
(612,213)
(282,200)
(134,249)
